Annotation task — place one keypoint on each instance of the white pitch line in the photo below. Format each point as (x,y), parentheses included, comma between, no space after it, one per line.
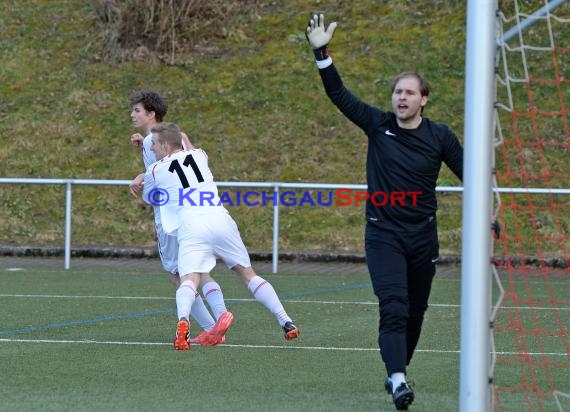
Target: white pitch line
(5,295)
(323,302)
(84,341)
(320,348)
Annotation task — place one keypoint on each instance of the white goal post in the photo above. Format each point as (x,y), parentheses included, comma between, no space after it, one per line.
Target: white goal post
(474,391)
(476,271)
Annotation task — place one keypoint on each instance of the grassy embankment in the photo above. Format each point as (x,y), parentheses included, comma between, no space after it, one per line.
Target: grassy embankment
(253,100)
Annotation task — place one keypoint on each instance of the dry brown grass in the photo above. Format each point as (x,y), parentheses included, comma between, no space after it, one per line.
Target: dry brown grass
(139,30)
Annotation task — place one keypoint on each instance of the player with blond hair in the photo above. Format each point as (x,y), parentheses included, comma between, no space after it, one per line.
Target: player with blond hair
(148,109)
(193,212)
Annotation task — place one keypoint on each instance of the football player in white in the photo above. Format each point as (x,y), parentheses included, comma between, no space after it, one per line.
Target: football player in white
(193,212)
(147,109)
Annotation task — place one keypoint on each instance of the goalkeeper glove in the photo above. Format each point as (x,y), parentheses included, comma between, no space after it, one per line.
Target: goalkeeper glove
(318,37)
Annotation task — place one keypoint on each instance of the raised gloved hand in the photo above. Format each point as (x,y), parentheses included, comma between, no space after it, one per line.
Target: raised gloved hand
(318,37)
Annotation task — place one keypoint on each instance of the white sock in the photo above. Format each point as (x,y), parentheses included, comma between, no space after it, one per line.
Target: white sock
(397,378)
(200,313)
(185,297)
(264,293)
(215,298)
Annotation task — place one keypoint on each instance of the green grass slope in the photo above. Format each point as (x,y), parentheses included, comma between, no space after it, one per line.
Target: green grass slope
(253,101)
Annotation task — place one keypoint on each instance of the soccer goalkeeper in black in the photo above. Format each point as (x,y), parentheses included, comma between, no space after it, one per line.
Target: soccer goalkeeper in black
(405,153)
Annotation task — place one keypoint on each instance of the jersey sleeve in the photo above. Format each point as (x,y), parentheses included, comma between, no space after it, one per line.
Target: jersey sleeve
(453,154)
(148,185)
(148,155)
(357,111)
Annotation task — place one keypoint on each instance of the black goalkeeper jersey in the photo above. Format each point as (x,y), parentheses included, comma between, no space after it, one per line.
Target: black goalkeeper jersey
(399,161)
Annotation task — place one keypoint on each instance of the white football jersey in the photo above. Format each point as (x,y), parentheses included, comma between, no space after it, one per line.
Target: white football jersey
(149,158)
(182,186)
(148,155)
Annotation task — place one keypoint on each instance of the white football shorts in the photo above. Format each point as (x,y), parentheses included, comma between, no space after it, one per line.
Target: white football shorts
(204,238)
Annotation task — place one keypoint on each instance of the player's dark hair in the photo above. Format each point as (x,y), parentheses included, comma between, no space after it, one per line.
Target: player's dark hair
(151,102)
(168,133)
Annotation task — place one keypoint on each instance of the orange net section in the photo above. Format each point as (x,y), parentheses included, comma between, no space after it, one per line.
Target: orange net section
(531,319)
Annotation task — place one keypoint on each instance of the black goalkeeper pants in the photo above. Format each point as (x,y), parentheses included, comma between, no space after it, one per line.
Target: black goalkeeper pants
(402,266)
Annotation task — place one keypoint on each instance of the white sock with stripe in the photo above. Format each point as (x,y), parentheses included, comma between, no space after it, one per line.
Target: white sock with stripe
(215,298)
(185,297)
(201,314)
(264,293)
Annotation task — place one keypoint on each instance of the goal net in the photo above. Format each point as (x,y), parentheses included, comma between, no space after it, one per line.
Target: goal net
(531,316)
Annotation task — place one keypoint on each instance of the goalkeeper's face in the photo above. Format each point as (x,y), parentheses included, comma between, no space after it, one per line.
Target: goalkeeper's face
(408,102)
